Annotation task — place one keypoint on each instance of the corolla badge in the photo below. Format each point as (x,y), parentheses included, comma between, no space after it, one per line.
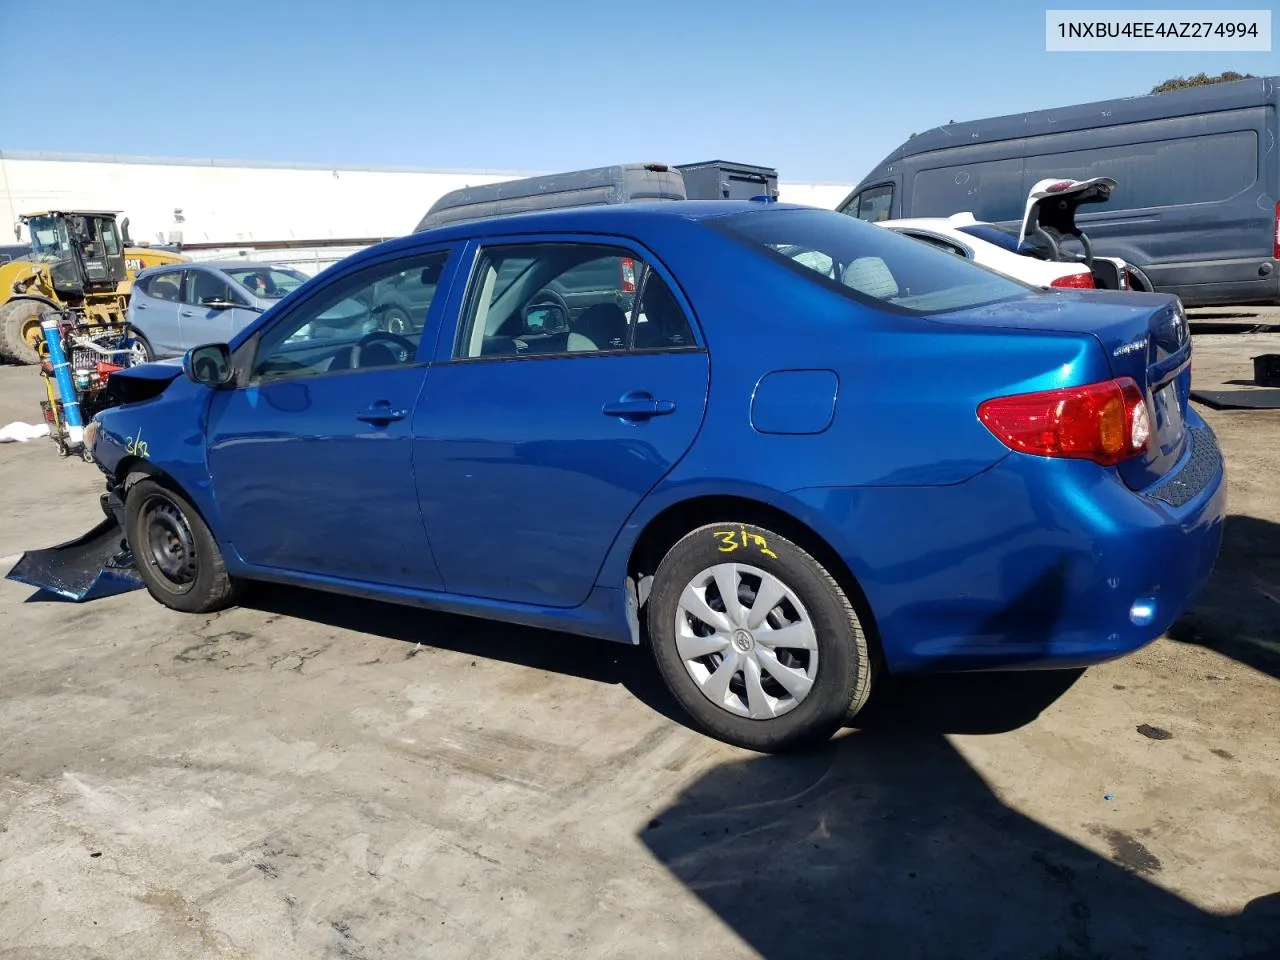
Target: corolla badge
(1128,348)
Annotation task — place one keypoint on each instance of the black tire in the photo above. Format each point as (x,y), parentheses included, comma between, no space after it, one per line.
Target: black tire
(192,577)
(143,346)
(14,317)
(842,680)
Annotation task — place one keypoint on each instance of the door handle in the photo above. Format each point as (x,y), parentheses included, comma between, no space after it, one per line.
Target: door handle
(381,413)
(187,313)
(638,406)
(141,306)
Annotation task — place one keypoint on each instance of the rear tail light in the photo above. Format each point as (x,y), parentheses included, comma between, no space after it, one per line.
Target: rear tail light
(1275,252)
(628,275)
(1104,422)
(1080,281)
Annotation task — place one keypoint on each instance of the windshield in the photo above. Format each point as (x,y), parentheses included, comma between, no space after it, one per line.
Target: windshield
(268,283)
(869,264)
(48,238)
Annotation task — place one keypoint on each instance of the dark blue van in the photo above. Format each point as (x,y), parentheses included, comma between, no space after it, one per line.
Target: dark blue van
(1198,201)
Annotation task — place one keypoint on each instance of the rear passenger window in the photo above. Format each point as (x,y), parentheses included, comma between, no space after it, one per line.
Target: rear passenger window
(554,299)
(660,324)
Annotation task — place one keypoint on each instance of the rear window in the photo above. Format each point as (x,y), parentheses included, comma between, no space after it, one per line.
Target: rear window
(869,264)
(1001,238)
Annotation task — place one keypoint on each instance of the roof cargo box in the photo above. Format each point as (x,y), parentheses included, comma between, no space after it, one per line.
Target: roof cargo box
(725,180)
(621,183)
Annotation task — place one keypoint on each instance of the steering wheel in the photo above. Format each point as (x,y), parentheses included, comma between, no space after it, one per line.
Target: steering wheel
(545,296)
(401,347)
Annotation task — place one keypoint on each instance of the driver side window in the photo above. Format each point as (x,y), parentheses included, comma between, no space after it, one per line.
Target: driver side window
(373,318)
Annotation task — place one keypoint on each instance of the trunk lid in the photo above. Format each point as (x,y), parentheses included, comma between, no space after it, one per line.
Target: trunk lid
(1144,336)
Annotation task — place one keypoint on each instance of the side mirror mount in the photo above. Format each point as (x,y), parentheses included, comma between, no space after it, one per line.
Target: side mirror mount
(209,364)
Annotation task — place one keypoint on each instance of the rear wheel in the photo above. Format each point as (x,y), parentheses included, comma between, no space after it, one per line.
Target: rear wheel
(756,639)
(140,349)
(174,550)
(20,330)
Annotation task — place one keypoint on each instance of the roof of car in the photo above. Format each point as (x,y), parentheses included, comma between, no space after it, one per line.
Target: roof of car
(242,264)
(217,264)
(608,218)
(601,215)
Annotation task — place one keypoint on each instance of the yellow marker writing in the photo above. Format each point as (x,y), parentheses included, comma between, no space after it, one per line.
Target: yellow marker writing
(137,447)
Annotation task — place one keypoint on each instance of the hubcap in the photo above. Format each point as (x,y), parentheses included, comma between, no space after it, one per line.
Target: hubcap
(170,543)
(139,352)
(747,641)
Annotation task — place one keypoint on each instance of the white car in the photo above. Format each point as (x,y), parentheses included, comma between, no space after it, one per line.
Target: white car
(1035,255)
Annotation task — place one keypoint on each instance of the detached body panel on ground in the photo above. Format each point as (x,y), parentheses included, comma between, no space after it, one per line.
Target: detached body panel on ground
(773,444)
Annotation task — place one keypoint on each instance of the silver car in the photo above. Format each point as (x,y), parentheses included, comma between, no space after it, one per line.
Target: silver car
(178,306)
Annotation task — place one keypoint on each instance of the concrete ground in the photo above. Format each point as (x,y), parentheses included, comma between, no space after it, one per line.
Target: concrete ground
(319,777)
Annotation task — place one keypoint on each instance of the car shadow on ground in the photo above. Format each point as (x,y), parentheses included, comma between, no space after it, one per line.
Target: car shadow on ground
(889,844)
(1238,612)
(942,703)
(600,660)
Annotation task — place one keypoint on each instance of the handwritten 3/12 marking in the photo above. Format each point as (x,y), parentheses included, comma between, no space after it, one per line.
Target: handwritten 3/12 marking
(731,540)
(136,446)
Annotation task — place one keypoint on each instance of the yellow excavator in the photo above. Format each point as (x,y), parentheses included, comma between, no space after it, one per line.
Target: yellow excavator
(78,267)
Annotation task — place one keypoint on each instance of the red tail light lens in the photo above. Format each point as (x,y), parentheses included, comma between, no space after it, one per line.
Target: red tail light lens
(1275,252)
(1104,422)
(1080,281)
(628,275)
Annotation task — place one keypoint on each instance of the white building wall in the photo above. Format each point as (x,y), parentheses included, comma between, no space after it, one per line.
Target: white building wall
(216,201)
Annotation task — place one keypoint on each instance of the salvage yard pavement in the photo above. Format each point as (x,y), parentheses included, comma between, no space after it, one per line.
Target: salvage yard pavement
(312,776)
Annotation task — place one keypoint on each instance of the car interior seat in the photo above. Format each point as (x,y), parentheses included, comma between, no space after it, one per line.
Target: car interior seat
(665,324)
(602,326)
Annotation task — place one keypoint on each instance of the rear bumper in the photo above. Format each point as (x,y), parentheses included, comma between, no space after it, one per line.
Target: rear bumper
(1249,280)
(1035,563)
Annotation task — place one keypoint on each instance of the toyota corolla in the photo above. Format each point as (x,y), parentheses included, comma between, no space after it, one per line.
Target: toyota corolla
(789,451)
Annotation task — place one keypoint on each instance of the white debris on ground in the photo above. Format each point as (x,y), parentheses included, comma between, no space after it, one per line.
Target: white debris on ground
(19,432)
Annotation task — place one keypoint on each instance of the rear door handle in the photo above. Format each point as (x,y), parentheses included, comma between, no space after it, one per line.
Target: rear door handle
(638,406)
(381,412)
(187,313)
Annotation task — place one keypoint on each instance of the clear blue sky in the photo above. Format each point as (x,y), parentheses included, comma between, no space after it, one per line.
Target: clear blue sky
(821,90)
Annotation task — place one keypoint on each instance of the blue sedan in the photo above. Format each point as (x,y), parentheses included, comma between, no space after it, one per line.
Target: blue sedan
(788,450)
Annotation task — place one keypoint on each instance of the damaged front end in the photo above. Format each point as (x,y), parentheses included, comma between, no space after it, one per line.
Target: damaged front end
(99,563)
(95,564)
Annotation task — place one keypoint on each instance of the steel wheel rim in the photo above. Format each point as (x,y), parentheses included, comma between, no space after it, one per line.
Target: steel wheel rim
(171,548)
(755,655)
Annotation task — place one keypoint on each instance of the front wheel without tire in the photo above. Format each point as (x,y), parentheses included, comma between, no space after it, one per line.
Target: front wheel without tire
(174,551)
(756,639)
